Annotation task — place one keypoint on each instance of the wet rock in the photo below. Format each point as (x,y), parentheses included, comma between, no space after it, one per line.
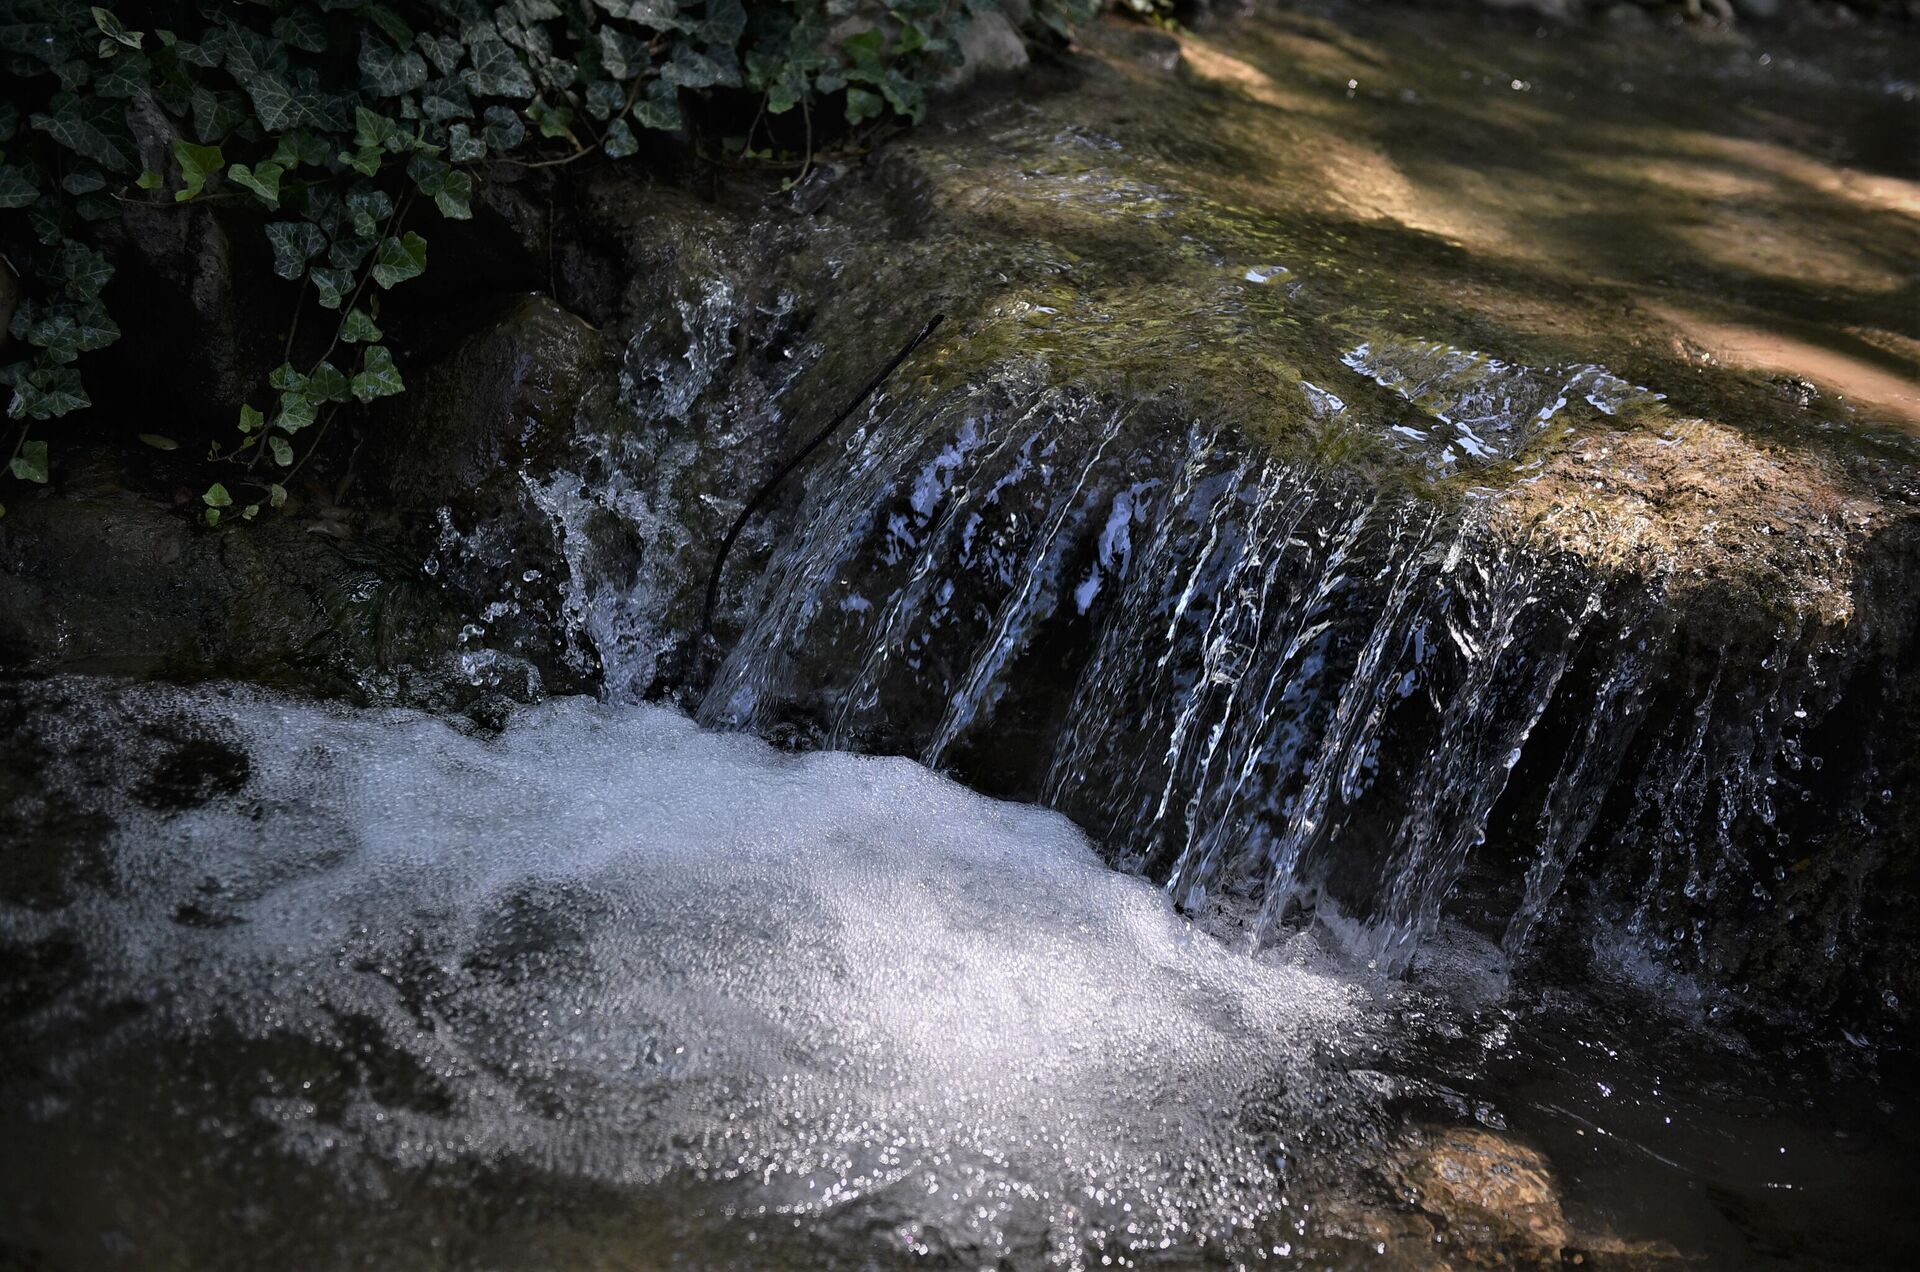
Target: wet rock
(112,581)
(1628,18)
(990,45)
(450,462)
(1488,1193)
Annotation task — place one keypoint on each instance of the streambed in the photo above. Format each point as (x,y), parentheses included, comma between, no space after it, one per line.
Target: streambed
(336,987)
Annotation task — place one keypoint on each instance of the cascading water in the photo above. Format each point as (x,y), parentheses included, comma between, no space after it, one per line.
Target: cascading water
(1281,691)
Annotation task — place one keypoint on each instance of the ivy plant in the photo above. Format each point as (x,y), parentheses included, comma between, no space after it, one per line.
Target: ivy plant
(343,129)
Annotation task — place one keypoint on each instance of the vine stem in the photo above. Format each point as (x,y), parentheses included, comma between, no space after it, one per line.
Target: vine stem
(393,222)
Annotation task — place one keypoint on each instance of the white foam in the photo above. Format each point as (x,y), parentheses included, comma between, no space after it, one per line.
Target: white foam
(633,951)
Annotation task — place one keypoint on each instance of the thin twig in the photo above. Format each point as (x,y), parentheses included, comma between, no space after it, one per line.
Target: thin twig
(773,482)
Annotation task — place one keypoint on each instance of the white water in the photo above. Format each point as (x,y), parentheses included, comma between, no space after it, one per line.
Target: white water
(635,953)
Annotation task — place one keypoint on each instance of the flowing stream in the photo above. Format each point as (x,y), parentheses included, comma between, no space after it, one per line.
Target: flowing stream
(1314,724)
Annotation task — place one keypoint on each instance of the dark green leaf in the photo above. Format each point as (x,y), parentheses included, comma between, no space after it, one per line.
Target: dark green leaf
(31,463)
(400,259)
(378,377)
(93,128)
(497,70)
(455,198)
(264,181)
(387,20)
(605,99)
(294,244)
(862,105)
(332,286)
(357,328)
(296,413)
(444,51)
(216,113)
(552,121)
(327,384)
(197,163)
(114,29)
(82,270)
(124,77)
(17,189)
(48,392)
(303,29)
(504,131)
(387,72)
(217,497)
(620,140)
(159,442)
(463,146)
(282,452)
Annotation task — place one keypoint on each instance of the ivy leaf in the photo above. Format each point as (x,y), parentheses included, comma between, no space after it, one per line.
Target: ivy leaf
(217,497)
(264,181)
(83,271)
(660,108)
(725,23)
(620,141)
(605,99)
(93,128)
(303,29)
(387,72)
(621,55)
(399,259)
(369,209)
(251,419)
(392,23)
(463,146)
(497,70)
(31,463)
(455,197)
(274,104)
(357,328)
(150,180)
(48,392)
(282,452)
(863,105)
(905,96)
(552,121)
(327,384)
(503,131)
(276,495)
(691,69)
(115,30)
(379,377)
(332,286)
(197,163)
(294,244)
(158,442)
(17,189)
(124,77)
(297,146)
(444,51)
(296,412)
(216,114)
